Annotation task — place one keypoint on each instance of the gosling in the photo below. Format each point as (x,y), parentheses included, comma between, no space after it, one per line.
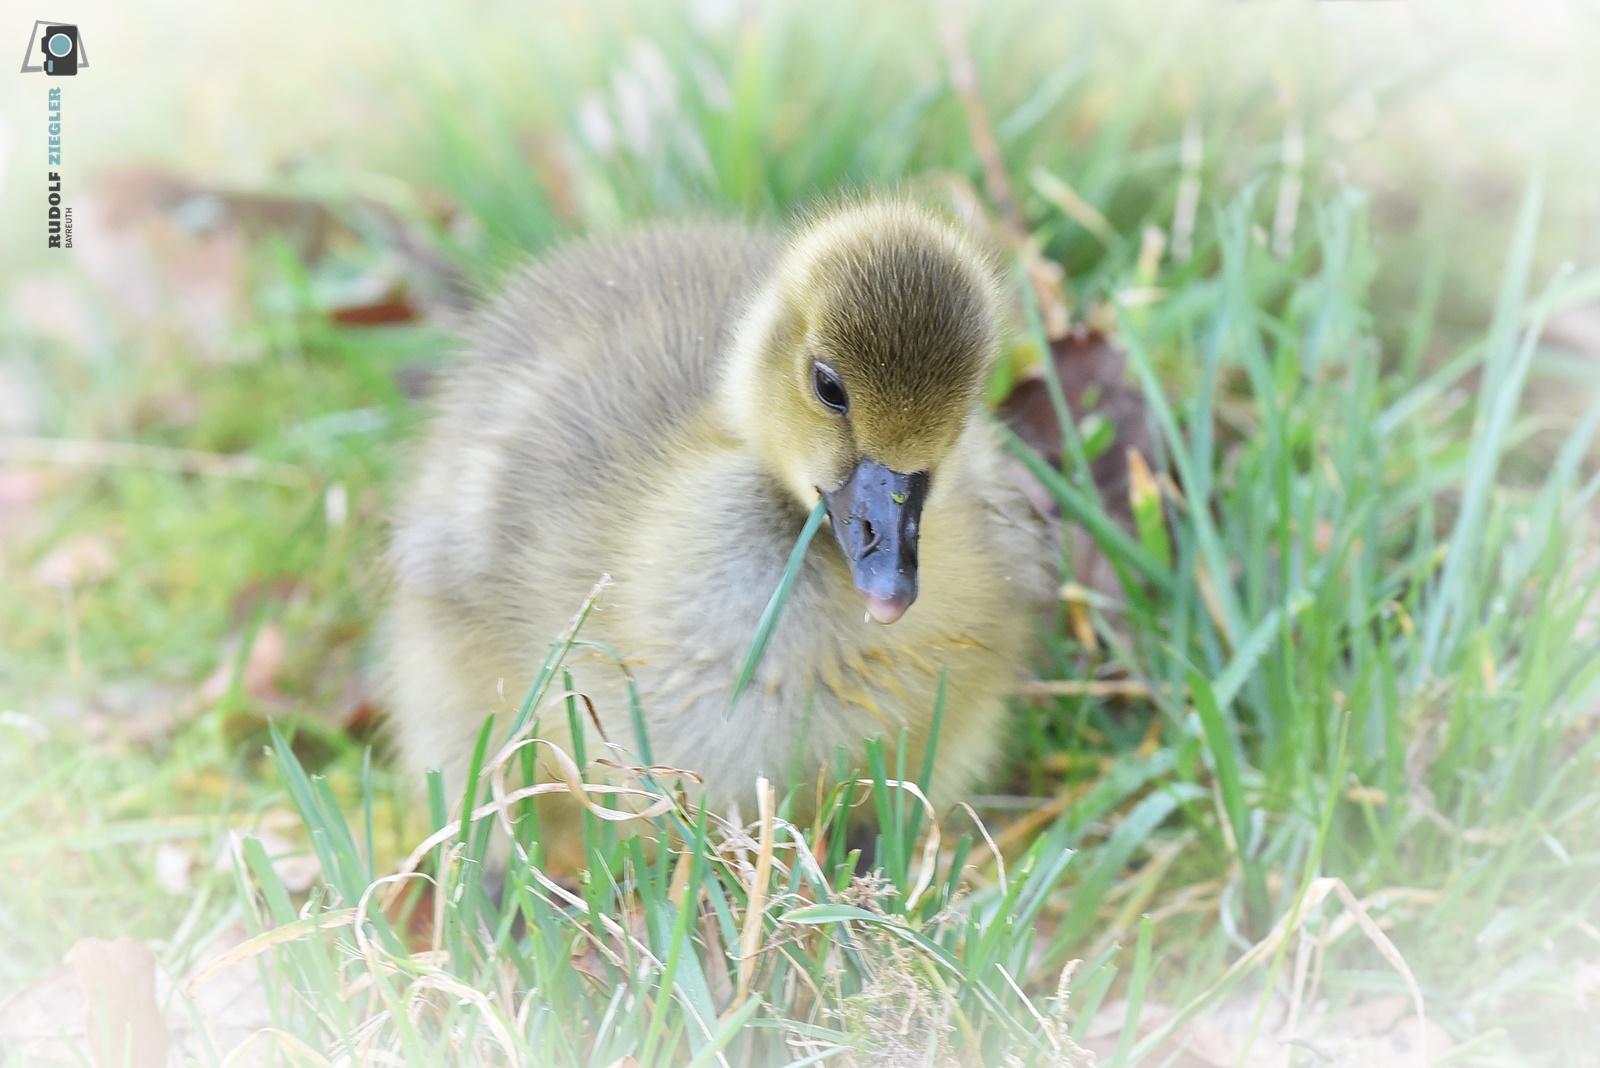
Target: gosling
(666,408)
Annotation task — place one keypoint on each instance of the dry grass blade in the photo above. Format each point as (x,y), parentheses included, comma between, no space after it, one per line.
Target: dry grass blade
(287,1041)
(1079,210)
(1084,688)
(994,850)
(646,771)
(1045,276)
(750,936)
(1375,935)
(571,785)
(1290,923)
(277,936)
(466,994)
(930,845)
(391,883)
(79,453)
(964,80)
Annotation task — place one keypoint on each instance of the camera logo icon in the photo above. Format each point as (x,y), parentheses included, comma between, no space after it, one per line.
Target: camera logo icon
(60,46)
(54,48)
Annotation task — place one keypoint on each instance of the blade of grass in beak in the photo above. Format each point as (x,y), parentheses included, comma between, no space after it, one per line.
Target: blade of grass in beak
(780,597)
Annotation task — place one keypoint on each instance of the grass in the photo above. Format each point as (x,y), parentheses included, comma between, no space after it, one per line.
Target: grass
(1353,611)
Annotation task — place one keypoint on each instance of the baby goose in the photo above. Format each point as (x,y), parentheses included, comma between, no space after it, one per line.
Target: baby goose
(666,408)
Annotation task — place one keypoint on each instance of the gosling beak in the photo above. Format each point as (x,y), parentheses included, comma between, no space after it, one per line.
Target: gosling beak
(876,515)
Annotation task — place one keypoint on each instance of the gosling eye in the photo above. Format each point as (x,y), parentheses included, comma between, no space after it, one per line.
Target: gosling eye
(830,390)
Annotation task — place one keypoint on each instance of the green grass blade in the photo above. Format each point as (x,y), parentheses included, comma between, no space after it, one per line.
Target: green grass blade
(1078,506)
(1136,993)
(1253,647)
(780,597)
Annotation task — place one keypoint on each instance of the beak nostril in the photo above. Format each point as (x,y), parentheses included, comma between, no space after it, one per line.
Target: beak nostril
(869,535)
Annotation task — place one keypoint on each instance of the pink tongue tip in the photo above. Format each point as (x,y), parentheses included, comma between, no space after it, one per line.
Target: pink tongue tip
(884,609)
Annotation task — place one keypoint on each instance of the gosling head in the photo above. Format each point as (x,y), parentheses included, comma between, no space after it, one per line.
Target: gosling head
(855,372)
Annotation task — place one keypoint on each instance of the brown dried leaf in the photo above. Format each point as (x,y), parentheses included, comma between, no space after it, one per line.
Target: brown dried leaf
(173,253)
(1377,1033)
(117,715)
(395,308)
(1230,1035)
(1093,376)
(231,1000)
(166,242)
(118,985)
(176,272)
(43,1023)
(1109,1021)
(81,560)
(258,681)
(297,868)
(112,992)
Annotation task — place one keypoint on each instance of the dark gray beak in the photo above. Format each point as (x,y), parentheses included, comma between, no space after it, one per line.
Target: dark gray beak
(876,516)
